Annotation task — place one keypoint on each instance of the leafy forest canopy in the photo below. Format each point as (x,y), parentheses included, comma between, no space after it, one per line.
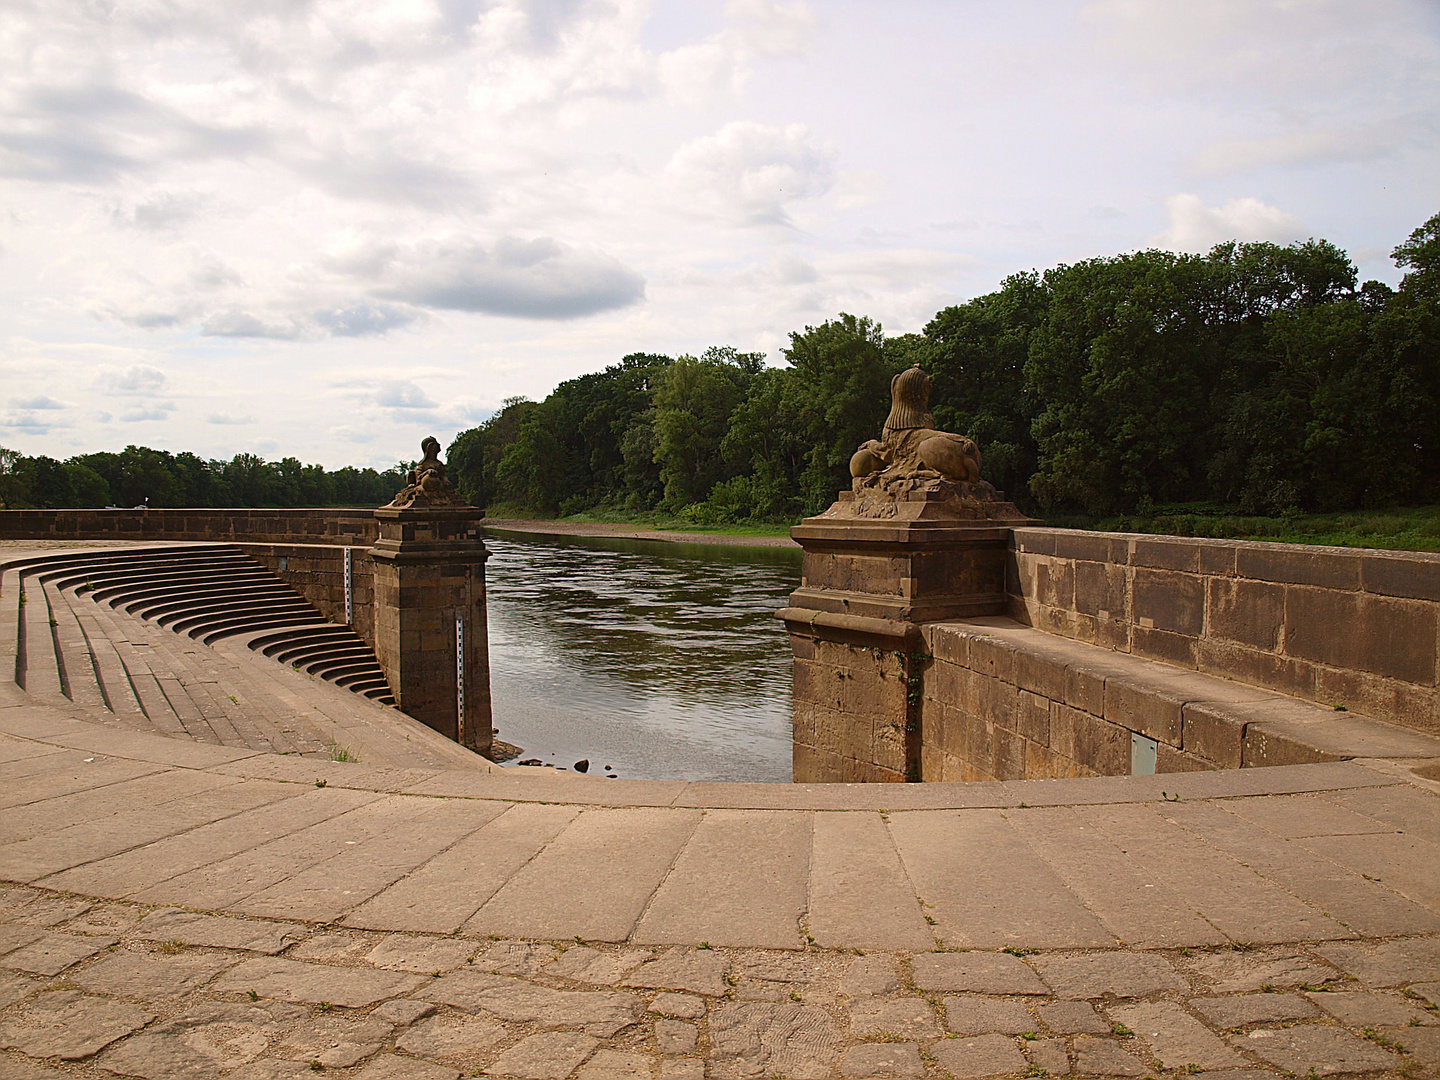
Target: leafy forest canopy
(1257,377)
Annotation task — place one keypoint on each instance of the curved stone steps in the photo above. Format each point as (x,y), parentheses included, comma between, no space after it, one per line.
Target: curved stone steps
(100,663)
(208,593)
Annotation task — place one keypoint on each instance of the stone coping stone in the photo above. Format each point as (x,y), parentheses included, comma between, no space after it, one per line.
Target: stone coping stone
(49,727)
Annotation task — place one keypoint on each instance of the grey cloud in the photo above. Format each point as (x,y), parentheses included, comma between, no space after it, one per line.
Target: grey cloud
(163,210)
(532,279)
(131,416)
(136,379)
(95,133)
(241,324)
(29,423)
(364,319)
(223,418)
(39,401)
(386,177)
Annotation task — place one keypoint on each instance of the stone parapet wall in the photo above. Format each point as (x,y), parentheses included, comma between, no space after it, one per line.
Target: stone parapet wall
(854,718)
(1001,701)
(354,527)
(317,572)
(1337,626)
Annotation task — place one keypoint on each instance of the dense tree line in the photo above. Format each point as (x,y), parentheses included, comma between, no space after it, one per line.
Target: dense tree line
(1257,377)
(139,475)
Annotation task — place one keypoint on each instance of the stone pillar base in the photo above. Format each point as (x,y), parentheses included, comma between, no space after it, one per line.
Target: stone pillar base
(430,628)
(866,585)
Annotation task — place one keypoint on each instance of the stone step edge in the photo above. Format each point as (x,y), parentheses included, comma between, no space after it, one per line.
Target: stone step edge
(37,723)
(1226,724)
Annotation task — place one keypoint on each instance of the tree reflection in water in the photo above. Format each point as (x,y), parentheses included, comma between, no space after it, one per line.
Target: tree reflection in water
(664,661)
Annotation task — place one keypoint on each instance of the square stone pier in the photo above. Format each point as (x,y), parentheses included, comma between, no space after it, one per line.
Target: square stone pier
(866,586)
(430,628)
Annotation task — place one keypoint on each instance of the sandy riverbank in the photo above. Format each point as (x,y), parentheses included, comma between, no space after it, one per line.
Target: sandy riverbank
(632,532)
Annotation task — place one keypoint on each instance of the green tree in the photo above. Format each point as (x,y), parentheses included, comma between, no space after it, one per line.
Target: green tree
(693,403)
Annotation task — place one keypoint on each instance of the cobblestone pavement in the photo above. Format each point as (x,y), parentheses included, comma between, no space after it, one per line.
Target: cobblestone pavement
(103,988)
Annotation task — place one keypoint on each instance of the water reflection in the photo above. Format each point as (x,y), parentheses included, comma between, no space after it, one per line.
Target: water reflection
(664,661)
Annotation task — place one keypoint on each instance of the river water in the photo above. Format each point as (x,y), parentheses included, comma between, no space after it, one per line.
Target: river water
(662,661)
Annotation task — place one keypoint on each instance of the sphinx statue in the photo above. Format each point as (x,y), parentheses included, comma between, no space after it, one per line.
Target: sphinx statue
(426,484)
(913,461)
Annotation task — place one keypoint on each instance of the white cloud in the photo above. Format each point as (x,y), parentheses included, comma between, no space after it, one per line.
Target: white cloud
(402,394)
(1361,142)
(1197,227)
(749,172)
(225,418)
(768,26)
(538,278)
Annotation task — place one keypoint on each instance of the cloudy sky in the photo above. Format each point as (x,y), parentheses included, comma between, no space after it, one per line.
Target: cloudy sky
(327,228)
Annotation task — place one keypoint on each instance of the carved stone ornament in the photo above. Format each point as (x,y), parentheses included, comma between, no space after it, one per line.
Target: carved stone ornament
(914,463)
(426,484)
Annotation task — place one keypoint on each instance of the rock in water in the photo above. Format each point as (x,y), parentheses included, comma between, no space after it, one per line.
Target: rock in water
(583,765)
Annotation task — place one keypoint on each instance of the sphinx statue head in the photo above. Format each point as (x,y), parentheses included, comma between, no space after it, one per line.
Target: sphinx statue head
(426,484)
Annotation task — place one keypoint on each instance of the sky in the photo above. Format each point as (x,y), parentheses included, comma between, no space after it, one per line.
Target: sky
(328,228)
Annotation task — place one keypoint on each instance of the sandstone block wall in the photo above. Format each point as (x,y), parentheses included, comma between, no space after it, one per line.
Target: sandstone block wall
(1338,626)
(854,721)
(346,527)
(317,572)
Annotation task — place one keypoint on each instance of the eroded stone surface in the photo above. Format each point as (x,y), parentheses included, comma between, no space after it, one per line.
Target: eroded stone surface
(982,1055)
(150,975)
(1106,1057)
(904,1018)
(760,1038)
(1228,971)
(402,1012)
(53,953)
(897,1059)
(1327,1050)
(1072,1018)
(1246,1009)
(405,952)
(675,1037)
(70,1025)
(292,980)
(1108,973)
(971,1014)
(584,964)
(618,1065)
(598,1012)
(1174,1037)
(701,971)
(1362,1009)
(223,932)
(685,1006)
(448,1036)
(336,1042)
(550,1055)
(975,972)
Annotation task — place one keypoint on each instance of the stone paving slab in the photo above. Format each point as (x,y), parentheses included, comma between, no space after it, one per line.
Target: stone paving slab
(354,926)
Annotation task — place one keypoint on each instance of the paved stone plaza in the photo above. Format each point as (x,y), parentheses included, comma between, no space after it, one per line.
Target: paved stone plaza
(174,907)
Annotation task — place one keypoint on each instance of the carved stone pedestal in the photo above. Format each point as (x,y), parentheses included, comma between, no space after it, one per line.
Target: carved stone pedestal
(866,585)
(430,630)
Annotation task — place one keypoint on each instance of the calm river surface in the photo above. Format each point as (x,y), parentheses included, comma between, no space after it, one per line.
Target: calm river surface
(664,661)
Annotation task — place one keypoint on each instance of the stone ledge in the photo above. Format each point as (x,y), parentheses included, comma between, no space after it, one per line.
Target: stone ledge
(1218,721)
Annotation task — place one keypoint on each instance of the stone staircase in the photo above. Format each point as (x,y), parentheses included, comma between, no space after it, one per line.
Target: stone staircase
(200,642)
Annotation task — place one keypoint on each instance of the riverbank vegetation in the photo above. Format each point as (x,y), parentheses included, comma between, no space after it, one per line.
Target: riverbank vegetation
(139,475)
(1258,390)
